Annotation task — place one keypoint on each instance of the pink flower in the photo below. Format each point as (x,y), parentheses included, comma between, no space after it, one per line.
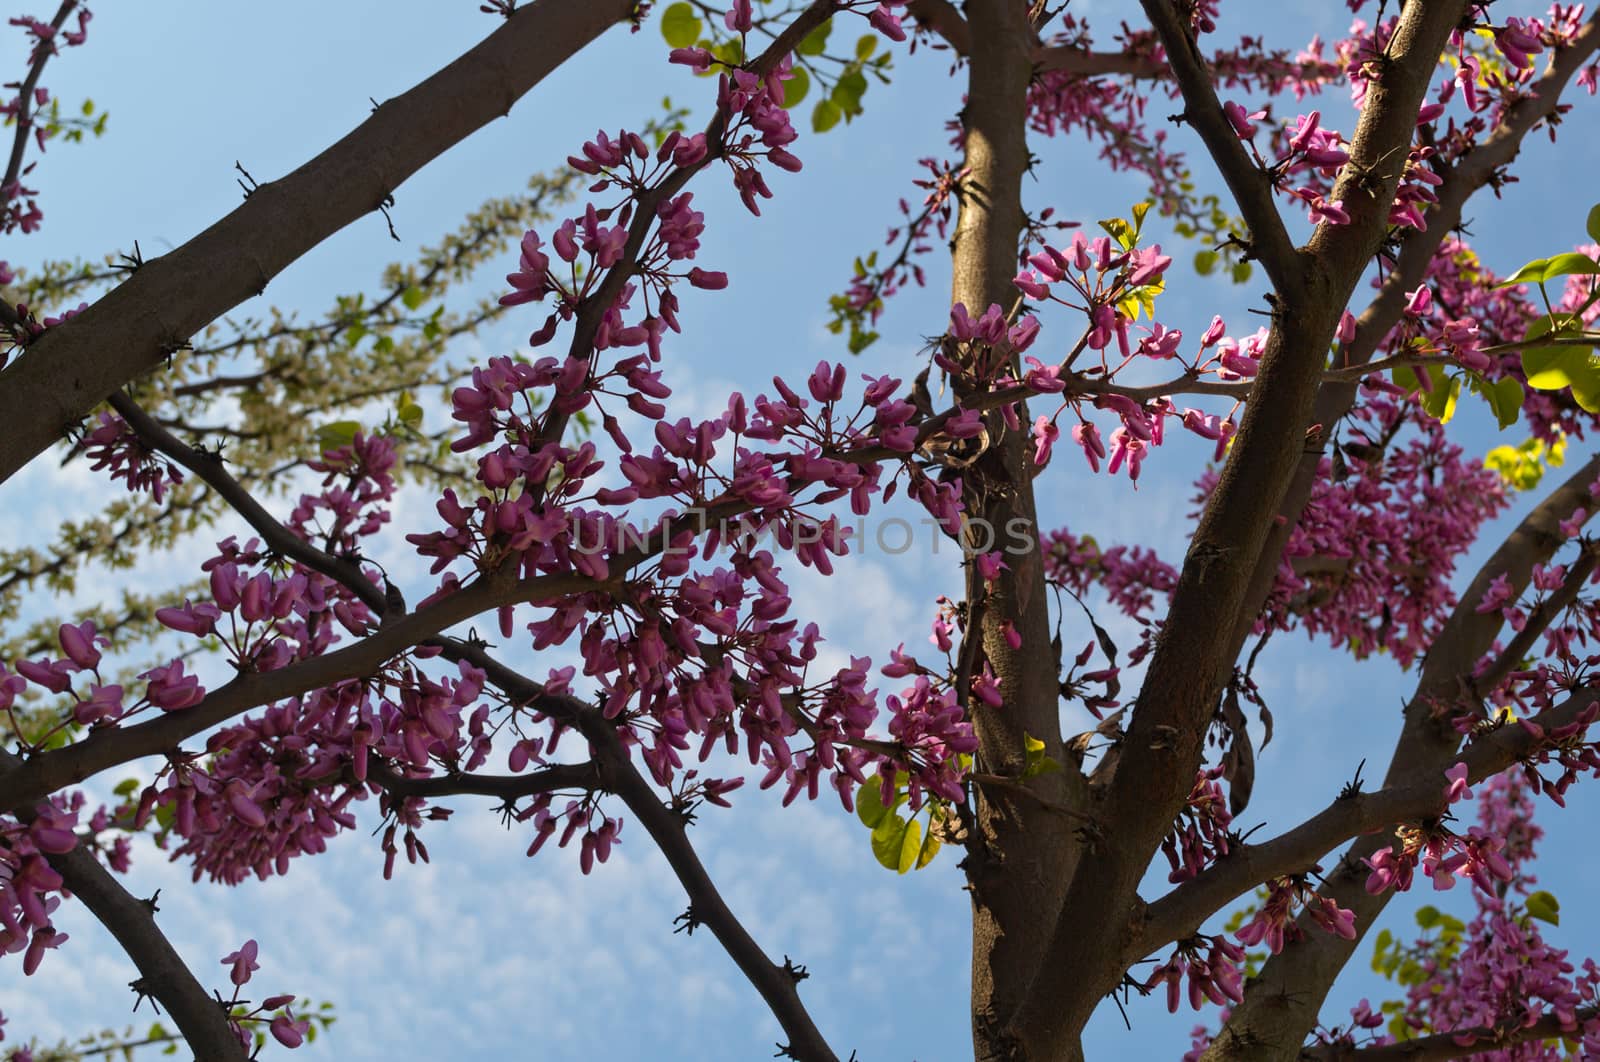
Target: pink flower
(287,1031)
(243,962)
(1243,124)
(887,23)
(1457,787)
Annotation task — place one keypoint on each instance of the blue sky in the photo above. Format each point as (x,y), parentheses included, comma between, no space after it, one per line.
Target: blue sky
(488,955)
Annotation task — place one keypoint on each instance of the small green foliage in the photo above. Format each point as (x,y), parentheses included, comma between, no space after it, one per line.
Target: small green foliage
(898,843)
(825,116)
(1544,907)
(680,26)
(815,42)
(1504,396)
(337,434)
(1038,763)
(795,89)
(1440,392)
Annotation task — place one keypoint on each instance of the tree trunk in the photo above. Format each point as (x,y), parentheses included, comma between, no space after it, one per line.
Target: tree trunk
(1020,861)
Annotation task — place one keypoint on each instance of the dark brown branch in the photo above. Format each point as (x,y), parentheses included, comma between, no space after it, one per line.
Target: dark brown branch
(555,777)
(1251,188)
(162,973)
(1470,174)
(942,18)
(1283,1002)
(24,115)
(61,376)
(1440,1047)
(1417,795)
(1163,746)
(667,828)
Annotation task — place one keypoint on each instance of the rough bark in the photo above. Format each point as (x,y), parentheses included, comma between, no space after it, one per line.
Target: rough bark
(1017,869)
(1163,746)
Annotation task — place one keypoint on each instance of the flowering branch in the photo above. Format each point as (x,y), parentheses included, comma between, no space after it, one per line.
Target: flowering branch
(1447,1045)
(1252,191)
(1381,315)
(942,18)
(667,828)
(170,298)
(162,972)
(1162,749)
(1425,742)
(1416,795)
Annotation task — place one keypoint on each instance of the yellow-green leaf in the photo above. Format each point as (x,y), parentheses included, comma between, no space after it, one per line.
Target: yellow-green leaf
(680,26)
(1544,907)
(795,89)
(815,42)
(825,116)
(888,839)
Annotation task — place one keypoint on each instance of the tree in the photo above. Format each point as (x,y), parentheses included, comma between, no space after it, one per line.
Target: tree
(580,505)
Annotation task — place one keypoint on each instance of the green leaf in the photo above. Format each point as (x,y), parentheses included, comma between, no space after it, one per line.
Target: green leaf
(1205,262)
(930,848)
(869,806)
(866,46)
(1241,272)
(339,433)
(680,26)
(1530,273)
(847,92)
(1442,390)
(825,116)
(1038,763)
(413,297)
(1593,223)
(408,411)
(1544,907)
(1379,947)
(126,787)
(815,42)
(888,839)
(910,846)
(1505,398)
(730,51)
(1121,231)
(1139,211)
(1427,916)
(1571,263)
(795,89)
(1559,368)
(860,338)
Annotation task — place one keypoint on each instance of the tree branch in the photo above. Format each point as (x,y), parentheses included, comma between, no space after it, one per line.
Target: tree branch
(942,18)
(162,973)
(667,828)
(1442,1046)
(1281,1004)
(1251,188)
(1163,747)
(549,779)
(1375,322)
(63,374)
(24,115)
(1419,794)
